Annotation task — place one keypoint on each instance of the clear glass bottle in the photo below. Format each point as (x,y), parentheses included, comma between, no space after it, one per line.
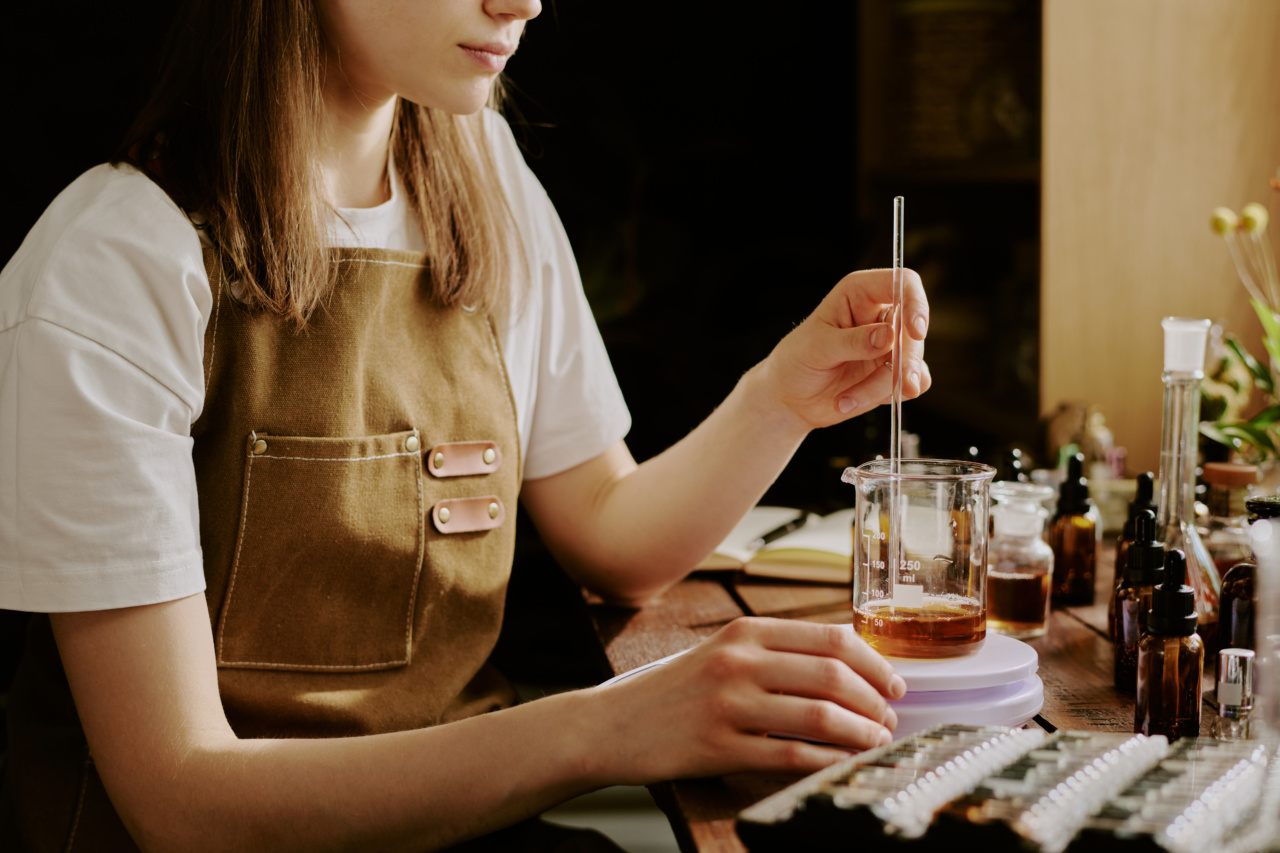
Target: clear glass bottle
(1226,531)
(1019,561)
(1170,658)
(1235,695)
(1236,606)
(1184,342)
(1265,533)
(1144,565)
(1074,537)
(1143,499)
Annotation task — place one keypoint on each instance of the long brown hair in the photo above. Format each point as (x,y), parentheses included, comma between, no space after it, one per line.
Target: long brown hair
(231,131)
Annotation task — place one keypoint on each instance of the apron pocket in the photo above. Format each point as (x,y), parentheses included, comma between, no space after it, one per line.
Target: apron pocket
(328,554)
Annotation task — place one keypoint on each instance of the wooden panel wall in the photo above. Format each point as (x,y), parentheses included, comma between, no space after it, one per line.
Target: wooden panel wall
(1155,111)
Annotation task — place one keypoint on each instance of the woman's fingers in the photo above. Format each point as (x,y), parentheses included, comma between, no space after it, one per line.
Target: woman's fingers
(826,678)
(876,388)
(824,641)
(829,346)
(814,719)
(870,291)
(785,755)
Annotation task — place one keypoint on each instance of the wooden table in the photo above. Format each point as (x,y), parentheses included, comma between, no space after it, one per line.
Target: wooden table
(1075,665)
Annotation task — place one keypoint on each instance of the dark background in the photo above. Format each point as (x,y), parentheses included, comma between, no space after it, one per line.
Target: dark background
(705,162)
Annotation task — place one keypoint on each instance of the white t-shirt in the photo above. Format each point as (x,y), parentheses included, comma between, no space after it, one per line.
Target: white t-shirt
(102,320)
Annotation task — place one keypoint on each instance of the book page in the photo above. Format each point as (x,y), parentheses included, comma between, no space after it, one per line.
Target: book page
(734,551)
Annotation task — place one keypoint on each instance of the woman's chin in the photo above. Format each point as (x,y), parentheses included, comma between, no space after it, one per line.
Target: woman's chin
(462,100)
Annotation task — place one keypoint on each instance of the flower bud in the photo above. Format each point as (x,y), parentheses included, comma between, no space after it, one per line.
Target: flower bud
(1223,221)
(1253,218)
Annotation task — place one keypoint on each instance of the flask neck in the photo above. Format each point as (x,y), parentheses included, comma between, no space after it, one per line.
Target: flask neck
(1179,431)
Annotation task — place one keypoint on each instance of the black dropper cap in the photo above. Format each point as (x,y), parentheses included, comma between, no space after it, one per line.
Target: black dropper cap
(1143,498)
(1144,561)
(1173,603)
(1073,495)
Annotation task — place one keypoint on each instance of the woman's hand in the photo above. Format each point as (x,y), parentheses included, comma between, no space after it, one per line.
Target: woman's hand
(834,365)
(708,712)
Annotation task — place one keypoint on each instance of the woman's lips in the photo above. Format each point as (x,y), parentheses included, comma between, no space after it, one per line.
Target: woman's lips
(492,56)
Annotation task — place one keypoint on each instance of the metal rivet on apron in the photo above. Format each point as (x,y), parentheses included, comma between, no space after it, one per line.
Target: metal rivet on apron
(259,447)
(489,456)
(411,444)
(438,461)
(444,515)
(493,509)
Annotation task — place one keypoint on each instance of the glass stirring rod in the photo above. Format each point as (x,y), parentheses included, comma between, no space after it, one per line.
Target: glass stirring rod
(895,411)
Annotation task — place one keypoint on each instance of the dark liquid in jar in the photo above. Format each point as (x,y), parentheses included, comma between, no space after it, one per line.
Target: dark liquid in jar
(1017,602)
(946,626)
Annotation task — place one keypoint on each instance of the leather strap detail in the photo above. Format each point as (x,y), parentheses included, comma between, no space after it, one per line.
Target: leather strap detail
(463,458)
(467,515)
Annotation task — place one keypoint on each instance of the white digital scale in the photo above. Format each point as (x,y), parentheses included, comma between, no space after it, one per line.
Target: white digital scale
(994,686)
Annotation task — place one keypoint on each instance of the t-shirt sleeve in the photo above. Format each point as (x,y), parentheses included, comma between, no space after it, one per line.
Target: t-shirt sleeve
(579,411)
(102,314)
(568,404)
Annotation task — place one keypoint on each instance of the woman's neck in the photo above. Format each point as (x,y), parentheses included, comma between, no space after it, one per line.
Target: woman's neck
(353,146)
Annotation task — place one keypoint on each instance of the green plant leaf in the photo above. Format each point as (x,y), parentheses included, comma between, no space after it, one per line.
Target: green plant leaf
(1259,437)
(1213,433)
(1260,372)
(1270,323)
(1265,418)
(1270,329)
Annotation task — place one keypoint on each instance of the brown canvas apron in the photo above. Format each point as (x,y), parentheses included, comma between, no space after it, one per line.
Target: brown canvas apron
(357,487)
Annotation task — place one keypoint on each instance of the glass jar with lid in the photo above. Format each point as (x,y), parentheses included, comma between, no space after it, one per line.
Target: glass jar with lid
(1020,562)
(1226,530)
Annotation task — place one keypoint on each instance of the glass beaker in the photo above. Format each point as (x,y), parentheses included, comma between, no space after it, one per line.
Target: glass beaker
(932,604)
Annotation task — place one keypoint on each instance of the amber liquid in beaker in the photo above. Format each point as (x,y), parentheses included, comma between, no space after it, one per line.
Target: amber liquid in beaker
(945,626)
(1017,602)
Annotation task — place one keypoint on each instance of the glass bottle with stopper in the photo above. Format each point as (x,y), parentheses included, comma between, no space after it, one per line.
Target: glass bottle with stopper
(1184,344)
(1020,561)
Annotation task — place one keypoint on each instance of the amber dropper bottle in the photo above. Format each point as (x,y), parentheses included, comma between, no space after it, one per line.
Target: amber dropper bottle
(1170,658)
(1143,498)
(1073,536)
(1144,565)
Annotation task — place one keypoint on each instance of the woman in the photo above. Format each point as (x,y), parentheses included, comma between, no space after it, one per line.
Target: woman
(272,383)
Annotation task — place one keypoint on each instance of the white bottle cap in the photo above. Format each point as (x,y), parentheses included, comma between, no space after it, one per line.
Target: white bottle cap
(1184,342)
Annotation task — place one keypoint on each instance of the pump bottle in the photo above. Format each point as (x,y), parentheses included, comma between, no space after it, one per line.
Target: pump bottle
(1170,658)
(1074,536)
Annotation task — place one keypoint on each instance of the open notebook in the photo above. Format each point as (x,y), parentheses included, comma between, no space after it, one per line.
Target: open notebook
(820,550)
